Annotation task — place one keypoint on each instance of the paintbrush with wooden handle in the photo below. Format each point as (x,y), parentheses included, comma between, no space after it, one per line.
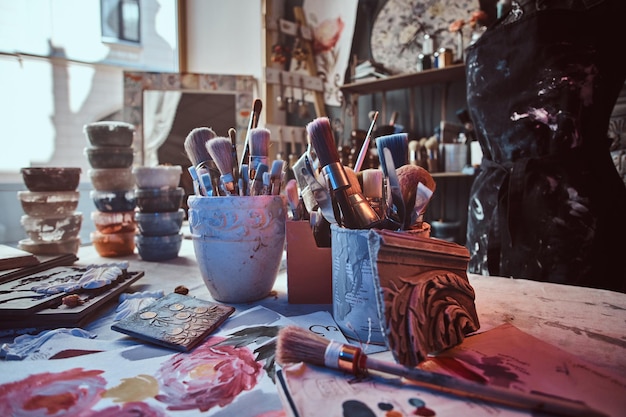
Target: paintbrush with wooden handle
(296,344)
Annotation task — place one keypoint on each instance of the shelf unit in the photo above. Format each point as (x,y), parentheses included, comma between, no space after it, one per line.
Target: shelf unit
(443,76)
(449,204)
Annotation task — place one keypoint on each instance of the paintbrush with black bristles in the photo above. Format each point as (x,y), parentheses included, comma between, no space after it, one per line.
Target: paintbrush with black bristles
(195,147)
(253,122)
(220,149)
(232,134)
(296,345)
(355,211)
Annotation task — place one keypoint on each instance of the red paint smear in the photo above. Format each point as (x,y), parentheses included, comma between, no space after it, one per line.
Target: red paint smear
(425,412)
(52,403)
(72,353)
(458,368)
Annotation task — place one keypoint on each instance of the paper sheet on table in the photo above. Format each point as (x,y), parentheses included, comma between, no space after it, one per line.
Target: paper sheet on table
(230,373)
(504,356)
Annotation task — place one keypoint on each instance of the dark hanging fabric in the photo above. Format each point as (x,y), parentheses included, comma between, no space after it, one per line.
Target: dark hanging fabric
(548,203)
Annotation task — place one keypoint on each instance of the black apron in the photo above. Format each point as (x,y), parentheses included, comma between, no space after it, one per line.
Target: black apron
(548,203)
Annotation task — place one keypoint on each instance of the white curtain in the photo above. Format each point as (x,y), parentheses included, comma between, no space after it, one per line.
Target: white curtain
(159,110)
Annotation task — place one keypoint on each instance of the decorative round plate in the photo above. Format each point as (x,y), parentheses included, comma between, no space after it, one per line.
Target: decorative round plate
(399,28)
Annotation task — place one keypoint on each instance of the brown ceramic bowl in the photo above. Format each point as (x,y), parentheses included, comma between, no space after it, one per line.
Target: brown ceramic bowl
(152,200)
(112,179)
(48,204)
(109,133)
(114,222)
(51,178)
(59,247)
(113,244)
(110,157)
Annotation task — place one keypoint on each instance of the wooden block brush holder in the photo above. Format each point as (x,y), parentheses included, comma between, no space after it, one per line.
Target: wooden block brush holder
(425,301)
(402,289)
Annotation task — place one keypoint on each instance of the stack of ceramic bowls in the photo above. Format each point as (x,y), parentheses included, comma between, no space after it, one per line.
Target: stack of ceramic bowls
(50,220)
(159,215)
(110,154)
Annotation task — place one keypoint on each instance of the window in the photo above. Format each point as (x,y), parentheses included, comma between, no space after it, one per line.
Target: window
(120,20)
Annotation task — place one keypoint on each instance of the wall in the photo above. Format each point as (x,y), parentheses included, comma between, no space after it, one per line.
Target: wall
(58,75)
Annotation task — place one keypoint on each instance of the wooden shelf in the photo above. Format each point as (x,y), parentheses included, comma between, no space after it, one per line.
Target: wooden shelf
(402,81)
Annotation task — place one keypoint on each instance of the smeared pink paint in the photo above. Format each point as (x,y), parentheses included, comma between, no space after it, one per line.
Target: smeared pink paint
(131,409)
(52,394)
(206,377)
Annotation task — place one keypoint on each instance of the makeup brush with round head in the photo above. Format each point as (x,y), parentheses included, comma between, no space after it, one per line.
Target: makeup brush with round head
(295,345)
(220,149)
(418,186)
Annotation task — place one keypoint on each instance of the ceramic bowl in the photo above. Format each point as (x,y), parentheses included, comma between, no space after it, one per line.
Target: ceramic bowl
(160,176)
(58,247)
(51,178)
(114,222)
(52,229)
(110,157)
(112,179)
(158,248)
(152,200)
(113,244)
(159,223)
(109,133)
(48,204)
(112,201)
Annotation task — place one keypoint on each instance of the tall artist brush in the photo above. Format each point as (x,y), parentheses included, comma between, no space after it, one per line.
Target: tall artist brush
(253,122)
(232,134)
(220,150)
(366,145)
(195,147)
(258,147)
(355,210)
(295,345)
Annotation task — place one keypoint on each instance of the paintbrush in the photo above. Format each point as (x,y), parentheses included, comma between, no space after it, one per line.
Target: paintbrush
(417,187)
(293,199)
(195,147)
(277,173)
(258,147)
(373,189)
(366,145)
(356,212)
(252,124)
(256,184)
(295,344)
(398,144)
(232,134)
(220,149)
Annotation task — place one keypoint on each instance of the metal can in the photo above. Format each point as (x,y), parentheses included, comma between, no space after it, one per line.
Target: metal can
(445,57)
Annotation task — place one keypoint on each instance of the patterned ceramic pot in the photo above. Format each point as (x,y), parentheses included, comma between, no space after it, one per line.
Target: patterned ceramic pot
(238,243)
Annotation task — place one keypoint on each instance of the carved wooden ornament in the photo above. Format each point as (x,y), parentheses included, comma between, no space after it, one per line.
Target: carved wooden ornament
(425,301)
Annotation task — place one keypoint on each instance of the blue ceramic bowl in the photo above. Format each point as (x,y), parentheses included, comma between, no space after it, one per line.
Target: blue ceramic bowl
(158,248)
(113,201)
(159,223)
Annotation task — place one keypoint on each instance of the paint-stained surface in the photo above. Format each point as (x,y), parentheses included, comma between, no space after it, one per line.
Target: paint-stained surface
(548,203)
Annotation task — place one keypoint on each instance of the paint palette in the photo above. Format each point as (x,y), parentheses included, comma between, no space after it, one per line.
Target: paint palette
(30,301)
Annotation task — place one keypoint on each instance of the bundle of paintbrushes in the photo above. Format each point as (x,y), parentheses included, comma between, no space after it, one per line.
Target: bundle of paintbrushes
(392,197)
(215,168)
